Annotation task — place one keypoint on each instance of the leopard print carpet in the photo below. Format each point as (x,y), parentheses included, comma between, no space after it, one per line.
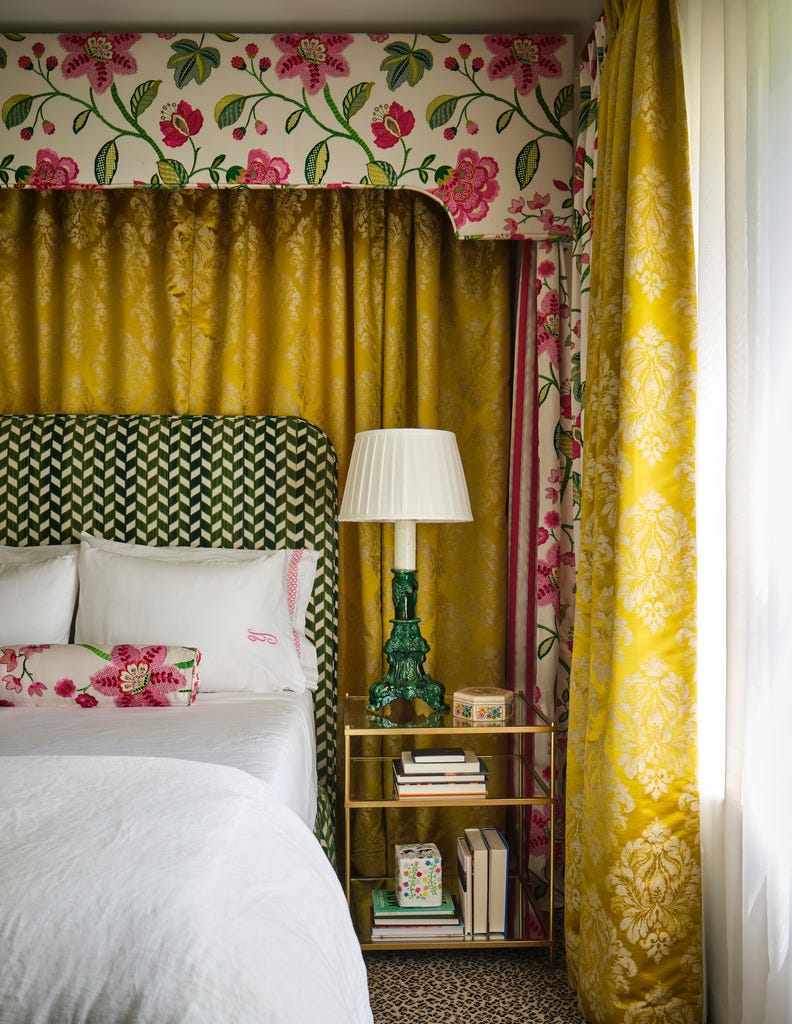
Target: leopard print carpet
(473,987)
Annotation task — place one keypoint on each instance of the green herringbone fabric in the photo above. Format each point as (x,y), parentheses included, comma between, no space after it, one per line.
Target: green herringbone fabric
(208,481)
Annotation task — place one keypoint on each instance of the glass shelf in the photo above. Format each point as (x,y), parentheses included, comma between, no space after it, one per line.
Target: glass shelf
(360,721)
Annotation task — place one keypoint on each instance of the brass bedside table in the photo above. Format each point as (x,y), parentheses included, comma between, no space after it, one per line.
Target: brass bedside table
(513,782)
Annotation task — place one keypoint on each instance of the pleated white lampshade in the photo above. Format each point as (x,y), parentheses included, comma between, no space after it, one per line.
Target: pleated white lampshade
(406,473)
(405,476)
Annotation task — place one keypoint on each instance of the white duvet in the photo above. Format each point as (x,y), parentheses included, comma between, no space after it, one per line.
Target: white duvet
(139,890)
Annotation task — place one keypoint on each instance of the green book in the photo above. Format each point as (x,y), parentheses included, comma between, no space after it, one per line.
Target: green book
(385,904)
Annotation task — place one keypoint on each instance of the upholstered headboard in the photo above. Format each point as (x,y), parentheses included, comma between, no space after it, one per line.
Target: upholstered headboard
(209,481)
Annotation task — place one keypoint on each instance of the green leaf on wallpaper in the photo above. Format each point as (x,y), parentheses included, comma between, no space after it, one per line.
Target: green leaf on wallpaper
(22,174)
(214,176)
(3,58)
(438,37)
(563,101)
(527,163)
(229,109)
(172,173)
(316,163)
(577,387)
(440,110)
(428,160)
(227,37)
(382,174)
(503,120)
(565,444)
(7,160)
(80,121)
(191,62)
(13,37)
(405,64)
(356,98)
(423,175)
(588,113)
(545,647)
(16,109)
(293,120)
(144,96)
(443,173)
(106,163)
(218,160)
(235,174)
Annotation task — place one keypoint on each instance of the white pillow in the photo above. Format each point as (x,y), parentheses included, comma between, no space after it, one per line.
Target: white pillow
(235,611)
(299,574)
(38,591)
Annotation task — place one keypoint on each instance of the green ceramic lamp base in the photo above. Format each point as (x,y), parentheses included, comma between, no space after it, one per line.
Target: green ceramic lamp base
(406,652)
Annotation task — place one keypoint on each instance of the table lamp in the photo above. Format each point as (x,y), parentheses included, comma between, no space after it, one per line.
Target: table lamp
(405,476)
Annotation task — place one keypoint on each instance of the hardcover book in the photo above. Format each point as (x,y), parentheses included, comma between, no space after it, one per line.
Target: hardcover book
(439,789)
(498,869)
(433,754)
(480,873)
(443,776)
(417,931)
(385,903)
(465,883)
(413,764)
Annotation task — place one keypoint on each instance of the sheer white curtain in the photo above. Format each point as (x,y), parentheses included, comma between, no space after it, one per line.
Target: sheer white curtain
(738,73)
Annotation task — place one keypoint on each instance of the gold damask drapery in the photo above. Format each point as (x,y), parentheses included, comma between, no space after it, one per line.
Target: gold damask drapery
(353,309)
(633,899)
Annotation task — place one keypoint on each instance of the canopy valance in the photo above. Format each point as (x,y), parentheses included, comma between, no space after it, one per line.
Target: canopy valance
(481,123)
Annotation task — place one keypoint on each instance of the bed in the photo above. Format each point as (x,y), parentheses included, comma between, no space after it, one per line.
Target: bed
(203,831)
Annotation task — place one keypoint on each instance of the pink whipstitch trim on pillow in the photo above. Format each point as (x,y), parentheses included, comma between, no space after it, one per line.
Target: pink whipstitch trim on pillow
(292,578)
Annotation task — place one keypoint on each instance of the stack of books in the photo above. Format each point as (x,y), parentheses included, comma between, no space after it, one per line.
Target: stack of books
(394,923)
(483,881)
(439,771)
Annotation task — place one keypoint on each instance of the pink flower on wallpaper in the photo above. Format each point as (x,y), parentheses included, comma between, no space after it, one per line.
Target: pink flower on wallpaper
(7,704)
(313,57)
(99,55)
(470,187)
(12,683)
(547,593)
(36,689)
(540,831)
(9,658)
(548,324)
(138,677)
(52,171)
(391,124)
(263,169)
(179,122)
(548,221)
(539,201)
(552,519)
(29,649)
(525,58)
(65,688)
(86,700)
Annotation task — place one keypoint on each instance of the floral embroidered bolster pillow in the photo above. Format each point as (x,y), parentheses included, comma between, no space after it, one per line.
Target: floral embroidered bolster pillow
(88,676)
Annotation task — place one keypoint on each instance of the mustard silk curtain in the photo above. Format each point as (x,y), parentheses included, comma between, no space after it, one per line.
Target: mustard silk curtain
(633,903)
(352,309)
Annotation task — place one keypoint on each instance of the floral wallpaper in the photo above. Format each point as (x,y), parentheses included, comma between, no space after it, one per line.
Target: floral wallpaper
(482,123)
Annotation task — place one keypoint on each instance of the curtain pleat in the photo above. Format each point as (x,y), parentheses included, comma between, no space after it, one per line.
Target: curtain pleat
(633,898)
